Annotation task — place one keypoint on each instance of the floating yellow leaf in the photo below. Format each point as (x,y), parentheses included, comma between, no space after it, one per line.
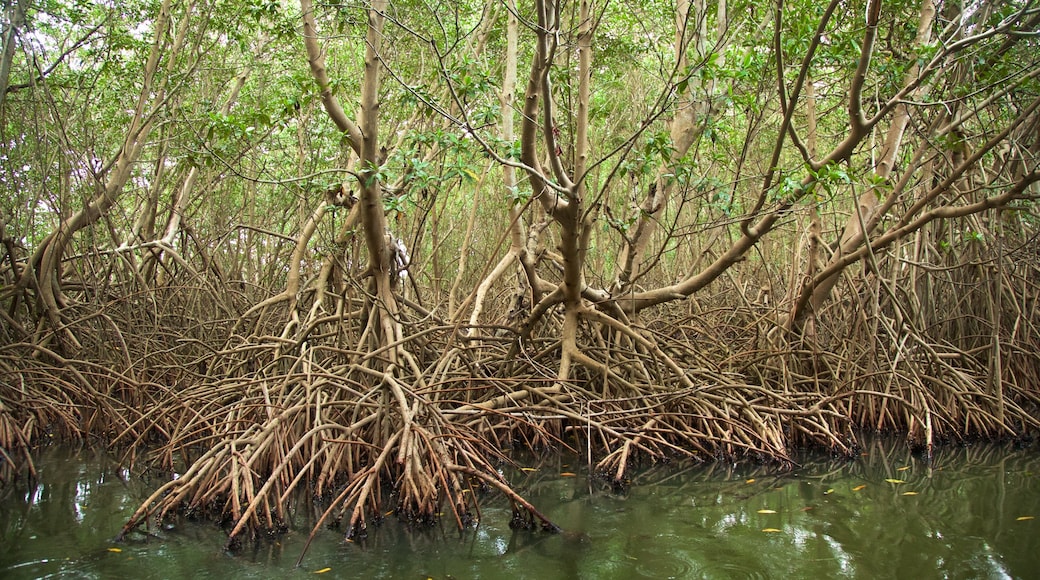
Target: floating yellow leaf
(859,488)
(1024,518)
(890,480)
(116,550)
(807,508)
(528,469)
(771,530)
(323,570)
(752,480)
(829,491)
(903,468)
(568,474)
(767,511)
(909,493)
(388,513)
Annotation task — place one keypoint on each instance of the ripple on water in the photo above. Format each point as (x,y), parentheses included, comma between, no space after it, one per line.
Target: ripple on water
(682,564)
(676,565)
(673,556)
(735,569)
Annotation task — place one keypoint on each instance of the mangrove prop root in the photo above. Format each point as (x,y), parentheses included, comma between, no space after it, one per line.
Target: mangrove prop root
(326,405)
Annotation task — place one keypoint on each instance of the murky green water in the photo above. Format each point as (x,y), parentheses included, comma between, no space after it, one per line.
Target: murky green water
(967,515)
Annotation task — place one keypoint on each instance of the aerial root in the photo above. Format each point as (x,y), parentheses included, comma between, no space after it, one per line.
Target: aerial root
(414,426)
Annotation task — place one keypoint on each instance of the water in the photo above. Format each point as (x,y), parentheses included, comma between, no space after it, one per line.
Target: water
(968,514)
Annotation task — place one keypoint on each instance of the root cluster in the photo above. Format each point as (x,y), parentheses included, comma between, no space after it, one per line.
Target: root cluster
(249,414)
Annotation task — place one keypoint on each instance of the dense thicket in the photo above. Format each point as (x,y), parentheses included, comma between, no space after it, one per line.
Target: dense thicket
(365,249)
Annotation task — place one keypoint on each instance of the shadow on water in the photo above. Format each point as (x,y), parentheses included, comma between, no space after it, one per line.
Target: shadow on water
(967,514)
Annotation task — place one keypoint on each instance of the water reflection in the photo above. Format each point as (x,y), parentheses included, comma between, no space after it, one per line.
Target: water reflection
(966,514)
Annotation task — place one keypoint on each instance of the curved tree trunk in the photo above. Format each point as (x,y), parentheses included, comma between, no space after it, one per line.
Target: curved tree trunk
(48,259)
(865,214)
(694,106)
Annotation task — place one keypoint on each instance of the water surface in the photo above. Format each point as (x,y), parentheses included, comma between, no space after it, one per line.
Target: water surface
(890,514)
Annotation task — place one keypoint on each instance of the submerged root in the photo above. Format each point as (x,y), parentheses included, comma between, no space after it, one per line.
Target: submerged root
(14,448)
